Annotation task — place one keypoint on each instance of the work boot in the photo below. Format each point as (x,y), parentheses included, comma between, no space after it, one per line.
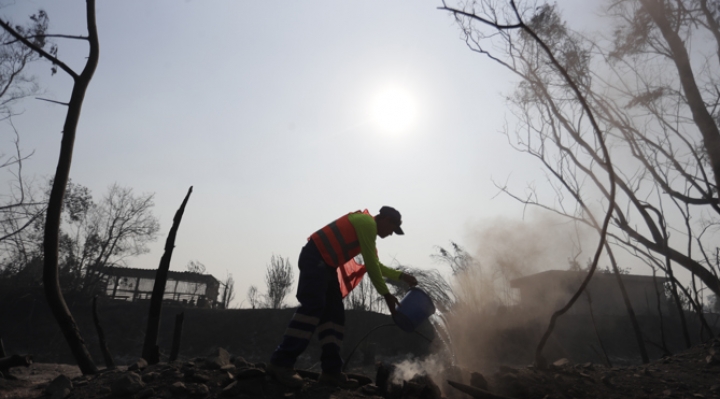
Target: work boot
(285,375)
(339,380)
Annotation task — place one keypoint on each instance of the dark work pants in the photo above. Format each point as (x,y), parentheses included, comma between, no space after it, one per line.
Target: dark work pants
(321,308)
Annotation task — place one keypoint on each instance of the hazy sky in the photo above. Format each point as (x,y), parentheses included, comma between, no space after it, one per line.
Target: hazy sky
(268,110)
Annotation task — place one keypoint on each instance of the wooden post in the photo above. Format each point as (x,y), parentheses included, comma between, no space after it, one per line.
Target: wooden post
(177,335)
(117,281)
(109,363)
(175,297)
(137,291)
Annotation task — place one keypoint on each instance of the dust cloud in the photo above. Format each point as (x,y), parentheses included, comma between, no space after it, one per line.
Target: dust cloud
(485,327)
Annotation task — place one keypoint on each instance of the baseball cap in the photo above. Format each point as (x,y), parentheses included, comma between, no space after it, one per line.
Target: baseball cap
(393,215)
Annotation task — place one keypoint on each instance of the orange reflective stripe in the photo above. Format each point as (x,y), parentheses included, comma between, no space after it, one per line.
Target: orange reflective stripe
(346,247)
(337,242)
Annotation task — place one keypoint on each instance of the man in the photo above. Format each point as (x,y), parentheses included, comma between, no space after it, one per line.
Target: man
(321,307)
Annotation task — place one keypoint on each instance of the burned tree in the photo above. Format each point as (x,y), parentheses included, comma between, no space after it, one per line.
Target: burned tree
(228,291)
(20,209)
(253,297)
(150,351)
(52,223)
(645,94)
(278,279)
(566,81)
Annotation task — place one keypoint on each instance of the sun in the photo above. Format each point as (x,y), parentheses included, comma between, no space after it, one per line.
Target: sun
(393,110)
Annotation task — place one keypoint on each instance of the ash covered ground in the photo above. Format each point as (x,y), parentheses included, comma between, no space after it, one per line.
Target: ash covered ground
(694,373)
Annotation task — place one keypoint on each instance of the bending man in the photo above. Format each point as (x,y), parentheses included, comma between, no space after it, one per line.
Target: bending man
(321,307)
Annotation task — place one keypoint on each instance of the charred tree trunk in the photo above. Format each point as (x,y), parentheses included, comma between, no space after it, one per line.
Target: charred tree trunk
(4,373)
(151,352)
(629,308)
(53,293)
(701,116)
(177,336)
(703,323)
(699,309)
(658,300)
(597,333)
(109,362)
(678,304)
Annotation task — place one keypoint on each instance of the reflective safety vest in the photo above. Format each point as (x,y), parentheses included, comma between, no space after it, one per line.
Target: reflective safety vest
(337,242)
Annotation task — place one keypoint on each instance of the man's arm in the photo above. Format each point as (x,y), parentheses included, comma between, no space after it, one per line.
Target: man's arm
(366,230)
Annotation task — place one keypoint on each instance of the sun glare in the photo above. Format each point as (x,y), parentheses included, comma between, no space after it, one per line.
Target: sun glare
(393,111)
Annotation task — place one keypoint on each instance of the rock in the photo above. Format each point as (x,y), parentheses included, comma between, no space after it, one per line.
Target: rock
(61,393)
(431,390)
(420,386)
(244,387)
(201,390)
(229,390)
(196,376)
(561,362)
(478,381)
(172,374)
(382,377)
(145,393)
(150,377)
(360,378)
(588,376)
(247,373)
(252,387)
(606,379)
(506,369)
(226,379)
(218,359)
(129,384)
(60,382)
(511,385)
(241,363)
(139,365)
(370,389)
(411,389)
(178,388)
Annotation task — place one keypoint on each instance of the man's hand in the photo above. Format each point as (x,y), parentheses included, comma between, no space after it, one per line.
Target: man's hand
(411,280)
(392,302)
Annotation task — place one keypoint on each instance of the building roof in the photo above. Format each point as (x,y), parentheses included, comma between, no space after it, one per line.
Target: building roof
(150,274)
(566,275)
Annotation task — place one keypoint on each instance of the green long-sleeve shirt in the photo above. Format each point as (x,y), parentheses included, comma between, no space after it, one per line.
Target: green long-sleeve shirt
(366,230)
